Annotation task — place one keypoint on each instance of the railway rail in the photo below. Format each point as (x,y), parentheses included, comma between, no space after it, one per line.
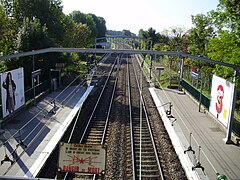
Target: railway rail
(125,120)
(145,157)
(95,131)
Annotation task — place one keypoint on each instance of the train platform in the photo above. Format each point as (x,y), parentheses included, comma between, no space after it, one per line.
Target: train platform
(30,137)
(197,137)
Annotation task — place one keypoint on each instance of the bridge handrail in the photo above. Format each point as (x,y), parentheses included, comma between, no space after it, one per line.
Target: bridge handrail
(119,51)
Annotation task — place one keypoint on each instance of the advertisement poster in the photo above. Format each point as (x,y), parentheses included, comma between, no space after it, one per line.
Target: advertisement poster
(12,91)
(221,99)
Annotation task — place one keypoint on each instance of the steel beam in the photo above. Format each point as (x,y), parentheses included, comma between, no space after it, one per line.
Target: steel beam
(118,51)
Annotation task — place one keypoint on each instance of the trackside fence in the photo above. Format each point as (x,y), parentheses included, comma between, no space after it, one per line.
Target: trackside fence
(205,101)
(40,89)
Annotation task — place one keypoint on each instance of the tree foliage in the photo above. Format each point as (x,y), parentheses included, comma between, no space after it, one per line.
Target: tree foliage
(200,34)
(215,35)
(97,25)
(227,16)
(225,45)
(149,38)
(27,25)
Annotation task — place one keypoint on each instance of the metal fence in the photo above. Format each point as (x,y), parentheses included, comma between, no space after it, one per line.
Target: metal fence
(206,102)
(29,94)
(39,89)
(196,94)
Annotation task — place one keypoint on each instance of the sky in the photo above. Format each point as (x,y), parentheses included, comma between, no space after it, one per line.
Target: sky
(134,15)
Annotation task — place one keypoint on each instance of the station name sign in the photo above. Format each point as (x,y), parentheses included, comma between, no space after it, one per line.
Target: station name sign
(82,158)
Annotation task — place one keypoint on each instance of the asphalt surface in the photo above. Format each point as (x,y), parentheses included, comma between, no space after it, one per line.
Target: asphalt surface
(30,137)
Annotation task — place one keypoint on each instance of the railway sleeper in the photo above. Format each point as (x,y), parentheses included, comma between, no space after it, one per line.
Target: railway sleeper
(144,148)
(95,132)
(148,159)
(149,163)
(152,177)
(144,142)
(149,169)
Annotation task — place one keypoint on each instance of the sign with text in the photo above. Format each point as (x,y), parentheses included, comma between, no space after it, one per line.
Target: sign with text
(82,158)
(194,74)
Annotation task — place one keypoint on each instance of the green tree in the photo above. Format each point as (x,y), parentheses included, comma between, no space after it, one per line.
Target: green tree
(8,6)
(200,34)
(224,48)
(126,33)
(162,39)
(3,38)
(69,26)
(49,13)
(3,28)
(227,16)
(100,25)
(149,38)
(31,36)
(87,19)
(175,38)
(143,35)
(81,36)
(7,30)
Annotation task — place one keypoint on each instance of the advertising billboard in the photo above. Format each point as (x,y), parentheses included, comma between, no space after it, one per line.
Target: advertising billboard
(221,99)
(82,158)
(12,91)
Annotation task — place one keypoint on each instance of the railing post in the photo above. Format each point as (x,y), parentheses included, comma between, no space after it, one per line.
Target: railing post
(230,121)
(181,74)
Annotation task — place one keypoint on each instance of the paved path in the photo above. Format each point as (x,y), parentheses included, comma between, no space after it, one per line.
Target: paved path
(215,155)
(40,128)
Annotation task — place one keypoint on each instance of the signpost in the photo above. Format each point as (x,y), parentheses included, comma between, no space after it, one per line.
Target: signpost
(159,70)
(82,158)
(194,75)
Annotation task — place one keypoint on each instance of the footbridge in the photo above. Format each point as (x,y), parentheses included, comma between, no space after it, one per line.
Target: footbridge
(118,51)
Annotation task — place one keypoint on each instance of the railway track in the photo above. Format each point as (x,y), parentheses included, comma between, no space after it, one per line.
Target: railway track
(170,163)
(95,131)
(137,144)
(146,163)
